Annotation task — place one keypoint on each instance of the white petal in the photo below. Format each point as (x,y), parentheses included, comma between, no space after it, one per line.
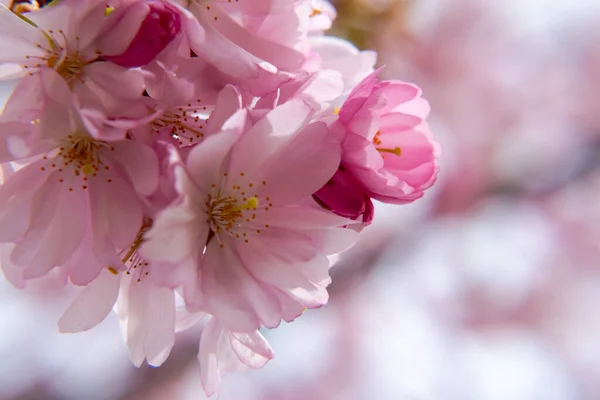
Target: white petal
(251,348)
(151,322)
(91,305)
(208,357)
(177,232)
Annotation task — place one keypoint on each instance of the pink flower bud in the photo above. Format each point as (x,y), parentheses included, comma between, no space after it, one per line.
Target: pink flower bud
(157,30)
(345,197)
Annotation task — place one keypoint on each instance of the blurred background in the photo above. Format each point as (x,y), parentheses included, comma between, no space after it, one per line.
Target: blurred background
(486,289)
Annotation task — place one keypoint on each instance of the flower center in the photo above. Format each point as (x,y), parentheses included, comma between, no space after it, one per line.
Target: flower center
(64,59)
(184,124)
(377,142)
(83,153)
(226,213)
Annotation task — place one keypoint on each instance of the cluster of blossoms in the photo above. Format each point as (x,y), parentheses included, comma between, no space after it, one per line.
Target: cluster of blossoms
(187,161)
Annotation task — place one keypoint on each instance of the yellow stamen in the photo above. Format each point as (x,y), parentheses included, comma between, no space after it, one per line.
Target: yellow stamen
(337,110)
(315,12)
(250,204)
(113,271)
(396,150)
(88,169)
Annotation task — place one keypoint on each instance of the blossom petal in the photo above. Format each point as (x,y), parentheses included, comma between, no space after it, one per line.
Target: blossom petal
(228,102)
(140,163)
(307,163)
(226,287)
(13,273)
(151,322)
(19,39)
(177,232)
(204,163)
(208,357)
(252,348)
(91,306)
(268,137)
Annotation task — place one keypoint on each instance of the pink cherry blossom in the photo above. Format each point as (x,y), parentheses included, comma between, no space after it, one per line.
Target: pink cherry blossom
(388,147)
(241,193)
(188,160)
(78,199)
(64,39)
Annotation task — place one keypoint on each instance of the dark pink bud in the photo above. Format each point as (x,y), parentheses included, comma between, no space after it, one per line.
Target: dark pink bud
(345,197)
(158,29)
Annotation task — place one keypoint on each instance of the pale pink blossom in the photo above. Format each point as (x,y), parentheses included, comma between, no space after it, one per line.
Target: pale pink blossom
(222,351)
(388,147)
(78,199)
(63,39)
(247,245)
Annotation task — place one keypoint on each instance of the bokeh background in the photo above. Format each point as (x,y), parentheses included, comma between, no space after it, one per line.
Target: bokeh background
(486,289)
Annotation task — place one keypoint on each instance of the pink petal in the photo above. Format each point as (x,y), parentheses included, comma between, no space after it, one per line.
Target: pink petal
(19,39)
(116,213)
(140,163)
(92,304)
(288,261)
(268,137)
(303,167)
(16,195)
(302,217)
(13,273)
(150,323)
(56,229)
(252,348)
(178,232)
(208,357)
(205,161)
(279,55)
(120,27)
(228,103)
(228,289)
(332,240)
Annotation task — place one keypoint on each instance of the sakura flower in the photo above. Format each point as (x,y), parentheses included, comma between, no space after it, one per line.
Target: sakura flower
(78,199)
(146,311)
(253,248)
(63,38)
(153,23)
(388,147)
(222,351)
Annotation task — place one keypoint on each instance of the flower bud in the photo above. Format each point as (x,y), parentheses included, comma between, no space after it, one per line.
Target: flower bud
(161,25)
(344,196)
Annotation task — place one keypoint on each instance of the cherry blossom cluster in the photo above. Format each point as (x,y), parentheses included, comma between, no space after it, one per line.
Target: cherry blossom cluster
(188,161)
